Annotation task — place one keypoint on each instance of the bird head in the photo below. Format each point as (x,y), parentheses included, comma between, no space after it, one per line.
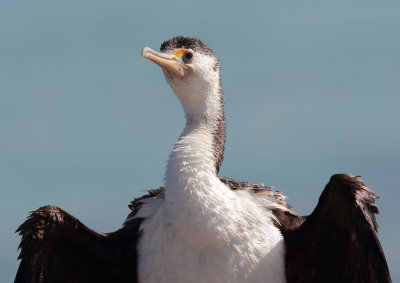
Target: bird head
(192,70)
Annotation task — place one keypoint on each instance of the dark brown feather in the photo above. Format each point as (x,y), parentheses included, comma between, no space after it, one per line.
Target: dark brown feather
(338,241)
(57,247)
(219,135)
(187,42)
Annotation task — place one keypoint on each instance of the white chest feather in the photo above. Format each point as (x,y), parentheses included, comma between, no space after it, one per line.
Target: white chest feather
(204,232)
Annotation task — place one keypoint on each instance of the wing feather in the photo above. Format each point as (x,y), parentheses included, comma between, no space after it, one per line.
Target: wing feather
(57,247)
(338,241)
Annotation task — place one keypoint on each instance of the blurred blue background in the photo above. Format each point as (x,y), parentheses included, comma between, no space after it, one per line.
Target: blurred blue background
(312,88)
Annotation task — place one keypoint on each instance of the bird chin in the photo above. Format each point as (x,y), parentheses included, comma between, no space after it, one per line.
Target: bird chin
(168,74)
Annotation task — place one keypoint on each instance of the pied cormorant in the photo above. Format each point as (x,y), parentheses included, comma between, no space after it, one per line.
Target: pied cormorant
(200,227)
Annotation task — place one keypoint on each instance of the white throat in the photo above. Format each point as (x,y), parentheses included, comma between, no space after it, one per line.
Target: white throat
(200,92)
(191,157)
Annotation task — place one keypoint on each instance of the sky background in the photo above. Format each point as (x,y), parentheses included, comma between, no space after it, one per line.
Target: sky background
(312,88)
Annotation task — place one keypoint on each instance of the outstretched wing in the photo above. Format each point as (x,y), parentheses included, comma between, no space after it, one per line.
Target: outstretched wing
(338,241)
(57,247)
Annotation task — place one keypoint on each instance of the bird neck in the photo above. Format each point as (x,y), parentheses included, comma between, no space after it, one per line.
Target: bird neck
(191,156)
(206,116)
(198,153)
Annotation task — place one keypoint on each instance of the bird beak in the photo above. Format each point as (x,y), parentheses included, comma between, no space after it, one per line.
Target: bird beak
(169,63)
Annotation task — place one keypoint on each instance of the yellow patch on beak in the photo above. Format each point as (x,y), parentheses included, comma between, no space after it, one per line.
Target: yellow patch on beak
(178,53)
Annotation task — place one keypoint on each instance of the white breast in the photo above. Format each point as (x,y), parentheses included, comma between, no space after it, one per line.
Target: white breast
(204,232)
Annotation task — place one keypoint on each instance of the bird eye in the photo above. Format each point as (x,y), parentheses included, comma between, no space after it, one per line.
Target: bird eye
(187,56)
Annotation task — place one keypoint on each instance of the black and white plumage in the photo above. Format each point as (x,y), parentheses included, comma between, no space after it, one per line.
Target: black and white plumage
(202,228)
